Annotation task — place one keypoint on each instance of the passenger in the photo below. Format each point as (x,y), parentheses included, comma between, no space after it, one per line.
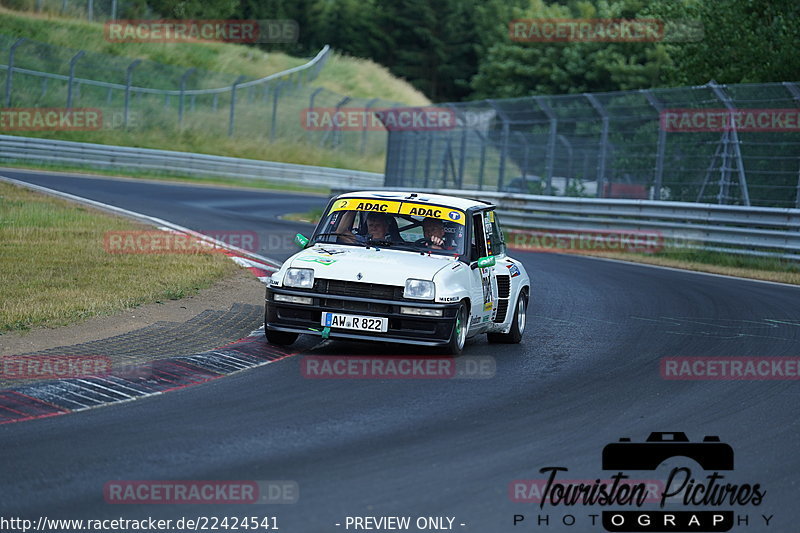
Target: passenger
(378,227)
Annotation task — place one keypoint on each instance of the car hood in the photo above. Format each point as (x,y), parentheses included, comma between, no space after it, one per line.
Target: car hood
(382,265)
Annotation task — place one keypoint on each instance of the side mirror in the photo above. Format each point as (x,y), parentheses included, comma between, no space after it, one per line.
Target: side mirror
(301,240)
(483,262)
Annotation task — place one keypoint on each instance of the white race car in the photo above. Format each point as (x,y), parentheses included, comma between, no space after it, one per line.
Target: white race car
(419,269)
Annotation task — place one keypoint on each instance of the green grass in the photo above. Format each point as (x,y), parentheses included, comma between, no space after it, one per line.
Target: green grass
(54,268)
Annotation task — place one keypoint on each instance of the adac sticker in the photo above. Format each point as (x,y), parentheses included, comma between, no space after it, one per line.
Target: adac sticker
(363,204)
(432,211)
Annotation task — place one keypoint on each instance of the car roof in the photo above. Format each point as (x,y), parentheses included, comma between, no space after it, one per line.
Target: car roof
(433,199)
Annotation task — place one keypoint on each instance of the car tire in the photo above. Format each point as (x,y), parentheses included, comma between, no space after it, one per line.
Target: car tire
(514,335)
(280,338)
(459,335)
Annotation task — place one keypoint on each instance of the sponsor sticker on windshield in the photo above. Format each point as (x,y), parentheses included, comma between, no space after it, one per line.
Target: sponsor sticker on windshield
(361,204)
(432,211)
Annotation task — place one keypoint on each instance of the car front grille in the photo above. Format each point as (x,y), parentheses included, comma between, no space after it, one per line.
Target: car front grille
(357,289)
(347,305)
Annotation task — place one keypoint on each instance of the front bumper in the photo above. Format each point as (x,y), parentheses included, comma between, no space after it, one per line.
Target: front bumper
(407,329)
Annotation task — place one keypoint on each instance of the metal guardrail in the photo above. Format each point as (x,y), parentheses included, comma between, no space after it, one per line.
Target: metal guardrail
(108,157)
(758,231)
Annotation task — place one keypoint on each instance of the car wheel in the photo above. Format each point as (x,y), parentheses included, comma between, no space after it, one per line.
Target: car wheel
(459,336)
(514,335)
(280,338)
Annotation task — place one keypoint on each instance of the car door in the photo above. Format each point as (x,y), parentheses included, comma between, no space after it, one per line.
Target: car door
(483,282)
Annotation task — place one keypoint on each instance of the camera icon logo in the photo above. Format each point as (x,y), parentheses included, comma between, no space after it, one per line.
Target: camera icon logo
(710,454)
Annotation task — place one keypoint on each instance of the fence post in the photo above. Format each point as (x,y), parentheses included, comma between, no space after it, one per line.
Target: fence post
(797,200)
(366,118)
(274,119)
(232,112)
(525,153)
(337,134)
(601,160)
(568,146)
(551,144)
(72,63)
(428,155)
(733,136)
(90,10)
(128,79)
(63,6)
(482,166)
(662,141)
(114,9)
(10,69)
(310,108)
(504,150)
(183,95)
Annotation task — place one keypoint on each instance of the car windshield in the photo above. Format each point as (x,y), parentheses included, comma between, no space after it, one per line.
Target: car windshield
(396,225)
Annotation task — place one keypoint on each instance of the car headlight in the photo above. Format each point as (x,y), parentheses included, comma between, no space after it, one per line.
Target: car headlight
(419,289)
(299,277)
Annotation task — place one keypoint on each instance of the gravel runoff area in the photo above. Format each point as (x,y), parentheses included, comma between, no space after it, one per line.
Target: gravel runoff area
(226,312)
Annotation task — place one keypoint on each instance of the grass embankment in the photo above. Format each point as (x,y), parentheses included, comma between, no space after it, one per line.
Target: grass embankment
(153,120)
(54,269)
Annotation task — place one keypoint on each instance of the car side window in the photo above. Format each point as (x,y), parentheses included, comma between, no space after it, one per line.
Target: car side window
(478,237)
(497,240)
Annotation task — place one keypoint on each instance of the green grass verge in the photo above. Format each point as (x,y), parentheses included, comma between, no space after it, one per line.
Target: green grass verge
(54,269)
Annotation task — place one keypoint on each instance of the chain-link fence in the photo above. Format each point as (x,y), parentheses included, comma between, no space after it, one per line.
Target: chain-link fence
(149,96)
(734,144)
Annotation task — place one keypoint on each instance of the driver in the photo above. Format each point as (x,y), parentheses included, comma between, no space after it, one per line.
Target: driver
(378,225)
(433,228)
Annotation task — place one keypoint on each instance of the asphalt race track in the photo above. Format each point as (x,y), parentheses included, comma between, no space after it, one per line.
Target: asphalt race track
(586,374)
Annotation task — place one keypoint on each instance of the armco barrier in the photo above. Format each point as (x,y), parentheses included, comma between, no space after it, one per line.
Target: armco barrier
(759,231)
(108,157)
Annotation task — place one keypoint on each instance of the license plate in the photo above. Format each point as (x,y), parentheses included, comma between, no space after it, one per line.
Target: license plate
(361,323)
